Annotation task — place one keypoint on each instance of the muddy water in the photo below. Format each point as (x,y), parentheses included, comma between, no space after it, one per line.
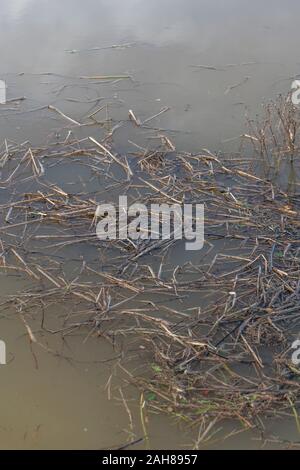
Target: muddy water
(209,62)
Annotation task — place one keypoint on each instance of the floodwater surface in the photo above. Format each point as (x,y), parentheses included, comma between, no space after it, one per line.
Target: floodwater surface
(202,65)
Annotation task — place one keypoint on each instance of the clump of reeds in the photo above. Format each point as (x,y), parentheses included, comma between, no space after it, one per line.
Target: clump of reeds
(275,139)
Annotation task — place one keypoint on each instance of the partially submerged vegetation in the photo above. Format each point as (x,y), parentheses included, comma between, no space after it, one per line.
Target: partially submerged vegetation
(215,329)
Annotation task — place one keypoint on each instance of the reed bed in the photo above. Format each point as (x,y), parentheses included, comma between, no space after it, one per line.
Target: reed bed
(210,334)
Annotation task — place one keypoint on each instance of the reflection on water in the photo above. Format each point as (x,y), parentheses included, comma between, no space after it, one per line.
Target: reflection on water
(167,38)
(208,62)
(2,92)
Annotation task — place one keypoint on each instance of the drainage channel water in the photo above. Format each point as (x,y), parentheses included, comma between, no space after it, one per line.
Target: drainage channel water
(199,66)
